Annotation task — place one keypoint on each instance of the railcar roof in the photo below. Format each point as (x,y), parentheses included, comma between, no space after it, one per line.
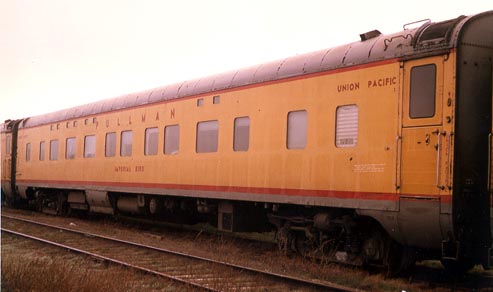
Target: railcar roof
(373,47)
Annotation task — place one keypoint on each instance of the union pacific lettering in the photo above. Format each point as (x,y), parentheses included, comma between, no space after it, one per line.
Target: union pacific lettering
(348,87)
(382,82)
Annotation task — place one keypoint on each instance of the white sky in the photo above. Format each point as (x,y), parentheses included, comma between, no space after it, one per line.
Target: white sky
(56,54)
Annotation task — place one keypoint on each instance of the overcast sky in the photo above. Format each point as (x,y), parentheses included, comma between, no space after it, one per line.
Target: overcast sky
(56,54)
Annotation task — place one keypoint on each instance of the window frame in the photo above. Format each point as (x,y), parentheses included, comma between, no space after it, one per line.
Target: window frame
(204,142)
(8,144)
(126,151)
(54,151)
(93,146)
(216,99)
(42,150)
(241,143)
(419,104)
(28,152)
(296,132)
(155,141)
(110,152)
(70,148)
(174,142)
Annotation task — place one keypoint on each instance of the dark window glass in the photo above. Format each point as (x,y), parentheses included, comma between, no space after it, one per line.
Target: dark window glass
(126,143)
(54,150)
(422,94)
(151,141)
(70,148)
(241,139)
(296,138)
(28,151)
(89,146)
(171,139)
(110,145)
(42,150)
(207,136)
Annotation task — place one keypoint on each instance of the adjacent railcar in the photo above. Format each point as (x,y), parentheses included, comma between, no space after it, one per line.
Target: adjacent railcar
(375,152)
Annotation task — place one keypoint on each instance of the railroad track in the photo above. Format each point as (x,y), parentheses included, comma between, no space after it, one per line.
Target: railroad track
(197,272)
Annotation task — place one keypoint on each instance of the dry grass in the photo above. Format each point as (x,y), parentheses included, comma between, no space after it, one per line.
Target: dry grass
(259,255)
(44,274)
(28,266)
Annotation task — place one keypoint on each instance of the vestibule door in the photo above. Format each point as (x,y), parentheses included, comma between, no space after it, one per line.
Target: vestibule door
(422,136)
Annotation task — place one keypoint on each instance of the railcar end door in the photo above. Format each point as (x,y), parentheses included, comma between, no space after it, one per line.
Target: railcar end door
(6,161)
(422,135)
(422,151)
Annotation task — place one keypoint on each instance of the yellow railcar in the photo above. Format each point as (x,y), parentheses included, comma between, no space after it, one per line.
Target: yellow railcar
(373,152)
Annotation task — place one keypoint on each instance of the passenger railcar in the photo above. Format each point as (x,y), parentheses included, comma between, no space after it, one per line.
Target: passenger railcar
(375,152)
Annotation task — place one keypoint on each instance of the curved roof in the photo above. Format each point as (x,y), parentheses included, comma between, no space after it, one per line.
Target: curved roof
(374,46)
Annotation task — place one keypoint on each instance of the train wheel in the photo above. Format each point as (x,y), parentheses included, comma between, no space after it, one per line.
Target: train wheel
(303,245)
(10,203)
(285,239)
(61,205)
(53,204)
(399,259)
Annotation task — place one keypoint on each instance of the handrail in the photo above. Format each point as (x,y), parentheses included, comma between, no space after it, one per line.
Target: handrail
(449,161)
(439,158)
(489,161)
(397,181)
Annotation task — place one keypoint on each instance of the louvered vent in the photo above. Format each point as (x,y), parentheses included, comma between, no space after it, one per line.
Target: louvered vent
(347,126)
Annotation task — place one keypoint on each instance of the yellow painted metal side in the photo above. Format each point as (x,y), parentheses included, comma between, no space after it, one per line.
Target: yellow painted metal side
(370,166)
(5,157)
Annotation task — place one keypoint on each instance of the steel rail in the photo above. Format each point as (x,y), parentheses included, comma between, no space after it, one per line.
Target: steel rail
(312,283)
(106,259)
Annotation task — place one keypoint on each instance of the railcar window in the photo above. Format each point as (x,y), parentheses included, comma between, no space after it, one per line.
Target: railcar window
(126,143)
(41,150)
(241,138)
(151,141)
(347,126)
(207,136)
(216,99)
(54,150)
(422,94)
(171,139)
(110,145)
(70,148)
(8,145)
(28,151)
(89,146)
(296,134)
